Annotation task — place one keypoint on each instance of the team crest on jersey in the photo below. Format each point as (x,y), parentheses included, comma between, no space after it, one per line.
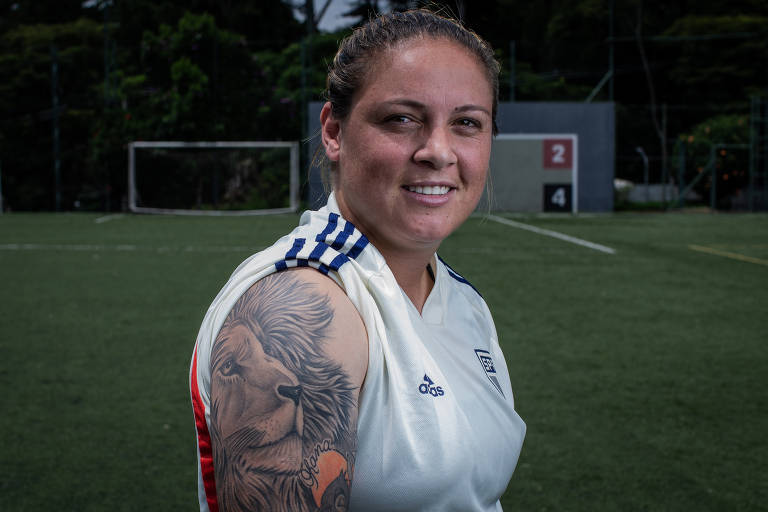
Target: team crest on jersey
(490,369)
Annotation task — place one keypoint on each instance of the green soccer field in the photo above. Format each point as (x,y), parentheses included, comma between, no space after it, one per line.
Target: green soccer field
(641,375)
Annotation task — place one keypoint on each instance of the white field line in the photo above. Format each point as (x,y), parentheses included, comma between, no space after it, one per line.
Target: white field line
(107,218)
(553,234)
(123,248)
(727,254)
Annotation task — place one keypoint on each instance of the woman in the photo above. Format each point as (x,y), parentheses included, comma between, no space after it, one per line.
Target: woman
(347,366)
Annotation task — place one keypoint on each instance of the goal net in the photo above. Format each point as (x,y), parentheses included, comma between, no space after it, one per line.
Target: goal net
(213,178)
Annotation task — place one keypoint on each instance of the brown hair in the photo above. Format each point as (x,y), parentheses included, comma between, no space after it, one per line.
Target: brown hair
(348,69)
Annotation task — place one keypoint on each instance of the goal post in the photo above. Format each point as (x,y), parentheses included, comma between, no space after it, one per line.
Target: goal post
(247,164)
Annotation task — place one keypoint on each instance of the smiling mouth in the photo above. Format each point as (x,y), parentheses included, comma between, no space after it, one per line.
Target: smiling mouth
(429,191)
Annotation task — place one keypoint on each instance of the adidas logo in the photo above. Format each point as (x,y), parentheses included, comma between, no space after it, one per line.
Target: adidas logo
(428,388)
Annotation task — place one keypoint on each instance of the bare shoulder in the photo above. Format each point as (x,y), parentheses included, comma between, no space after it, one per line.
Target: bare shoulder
(347,338)
(287,366)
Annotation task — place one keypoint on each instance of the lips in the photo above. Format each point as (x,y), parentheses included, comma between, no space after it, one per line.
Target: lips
(437,190)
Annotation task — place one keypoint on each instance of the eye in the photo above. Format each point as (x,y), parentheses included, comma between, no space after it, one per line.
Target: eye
(399,119)
(469,123)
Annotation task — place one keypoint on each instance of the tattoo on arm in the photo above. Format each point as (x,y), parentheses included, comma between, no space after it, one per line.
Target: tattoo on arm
(283,415)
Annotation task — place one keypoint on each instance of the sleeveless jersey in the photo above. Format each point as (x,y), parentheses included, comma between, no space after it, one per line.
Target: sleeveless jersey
(437,428)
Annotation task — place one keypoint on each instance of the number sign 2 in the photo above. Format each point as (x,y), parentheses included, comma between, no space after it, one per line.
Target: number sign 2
(558,154)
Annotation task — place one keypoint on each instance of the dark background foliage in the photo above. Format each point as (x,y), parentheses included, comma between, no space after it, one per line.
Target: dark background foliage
(105,72)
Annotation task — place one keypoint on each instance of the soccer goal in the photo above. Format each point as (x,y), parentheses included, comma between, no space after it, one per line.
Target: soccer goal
(213,178)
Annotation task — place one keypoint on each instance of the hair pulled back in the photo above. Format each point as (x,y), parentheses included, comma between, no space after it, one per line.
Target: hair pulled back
(348,70)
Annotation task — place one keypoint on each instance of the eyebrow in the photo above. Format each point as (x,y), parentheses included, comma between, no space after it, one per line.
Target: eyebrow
(420,106)
(407,103)
(469,108)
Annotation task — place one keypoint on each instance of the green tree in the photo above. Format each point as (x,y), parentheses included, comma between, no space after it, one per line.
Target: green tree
(263,25)
(183,71)
(731,164)
(720,58)
(27,57)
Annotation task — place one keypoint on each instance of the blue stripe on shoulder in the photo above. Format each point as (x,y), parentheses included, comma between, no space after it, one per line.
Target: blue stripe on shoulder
(318,251)
(333,220)
(341,239)
(338,261)
(457,276)
(355,251)
(313,260)
(298,244)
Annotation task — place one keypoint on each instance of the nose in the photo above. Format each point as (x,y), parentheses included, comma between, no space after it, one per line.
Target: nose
(437,150)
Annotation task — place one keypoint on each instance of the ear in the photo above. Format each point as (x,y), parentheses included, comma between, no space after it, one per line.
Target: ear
(330,132)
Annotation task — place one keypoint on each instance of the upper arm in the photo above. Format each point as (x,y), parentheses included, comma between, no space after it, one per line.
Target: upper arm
(286,367)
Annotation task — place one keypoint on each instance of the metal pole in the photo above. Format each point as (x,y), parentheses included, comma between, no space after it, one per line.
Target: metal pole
(681,175)
(131,177)
(304,103)
(306,62)
(309,8)
(106,55)
(55,101)
(645,172)
(1,187)
(752,152)
(713,187)
(294,180)
(763,112)
(664,163)
(512,78)
(610,52)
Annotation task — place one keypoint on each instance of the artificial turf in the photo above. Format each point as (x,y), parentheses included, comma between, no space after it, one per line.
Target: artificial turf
(641,375)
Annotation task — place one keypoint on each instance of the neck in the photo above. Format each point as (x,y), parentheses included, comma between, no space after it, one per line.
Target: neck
(410,271)
(408,264)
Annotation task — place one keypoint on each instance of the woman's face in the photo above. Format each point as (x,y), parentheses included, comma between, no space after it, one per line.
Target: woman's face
(413,153)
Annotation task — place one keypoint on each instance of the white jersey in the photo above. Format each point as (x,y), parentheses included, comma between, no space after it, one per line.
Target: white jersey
(437,428)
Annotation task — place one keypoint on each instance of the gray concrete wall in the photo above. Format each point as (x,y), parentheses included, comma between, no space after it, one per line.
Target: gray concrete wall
(592,122)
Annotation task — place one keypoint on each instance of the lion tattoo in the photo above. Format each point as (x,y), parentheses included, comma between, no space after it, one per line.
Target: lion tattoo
(282,411)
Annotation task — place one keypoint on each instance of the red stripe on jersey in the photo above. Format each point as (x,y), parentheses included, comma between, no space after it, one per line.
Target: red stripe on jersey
(203,440)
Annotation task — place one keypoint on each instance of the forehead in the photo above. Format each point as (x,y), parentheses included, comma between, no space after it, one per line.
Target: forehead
(425,62)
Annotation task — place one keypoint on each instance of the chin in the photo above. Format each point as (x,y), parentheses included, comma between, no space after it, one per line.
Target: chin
(431,235)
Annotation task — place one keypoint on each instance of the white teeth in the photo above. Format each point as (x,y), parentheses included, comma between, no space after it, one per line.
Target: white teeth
(430,191)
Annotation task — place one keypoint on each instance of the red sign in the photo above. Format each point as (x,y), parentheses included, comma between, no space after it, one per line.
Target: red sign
(558,154)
